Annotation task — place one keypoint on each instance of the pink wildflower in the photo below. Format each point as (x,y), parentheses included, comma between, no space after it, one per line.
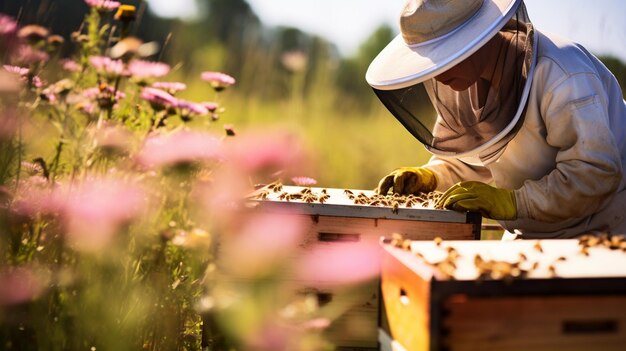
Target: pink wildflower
(70,65)
(145,69)
(25,54)
(95,210)
(7,25)
(341,264)
(33,33)
(22,71)
(113,138)
(211,106)
(35,196)
(270,151)
(180,147)
(19,284)
(103,95)
(189,108)
(262,244)
(219,81)
(170,87)
(104,5)
(158,99)
(106,65)
(304,181)
(25,75)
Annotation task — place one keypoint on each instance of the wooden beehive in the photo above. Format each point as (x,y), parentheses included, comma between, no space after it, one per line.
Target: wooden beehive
(496,295)
(338,220)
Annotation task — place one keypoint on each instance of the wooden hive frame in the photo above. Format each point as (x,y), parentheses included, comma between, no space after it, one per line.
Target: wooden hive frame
(577,310)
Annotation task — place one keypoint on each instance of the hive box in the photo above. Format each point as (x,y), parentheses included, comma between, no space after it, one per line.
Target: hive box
(573,296)
(339,221)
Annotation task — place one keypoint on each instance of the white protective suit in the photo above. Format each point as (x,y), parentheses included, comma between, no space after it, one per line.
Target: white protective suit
(567,163)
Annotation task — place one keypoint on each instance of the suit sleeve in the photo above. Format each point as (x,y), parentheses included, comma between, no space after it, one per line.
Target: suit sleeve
(588,164)
(451,171)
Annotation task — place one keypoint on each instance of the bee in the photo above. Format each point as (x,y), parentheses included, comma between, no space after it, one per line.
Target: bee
(522,257)
(296,196)
(552,271)
(262,195)
(397,240)
(275,186)
(453,254)
(284,196)
(406,244)
(305,191)
(535,266)
(437,240)
(348,192)
(584,251)
(394,207)
(538,247)
(324,191)
(375,203)
(562,258)
(308,198)
(323,198)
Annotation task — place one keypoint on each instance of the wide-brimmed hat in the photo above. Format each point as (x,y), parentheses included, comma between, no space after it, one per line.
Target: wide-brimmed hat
(435,36)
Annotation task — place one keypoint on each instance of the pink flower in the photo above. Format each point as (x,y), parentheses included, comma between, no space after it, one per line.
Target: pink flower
(25,76)
(304,181)
(107,66)
(170,87)
(106,5)
(22,71)
(7,25)
(344,264)
(211,106)
(8,33)
(270,151)
(34,196)
(104,96)
(262,244)
(219,81)
(145,69)
(113,138)
(180,147)
(191,108)
(33,33)
(27,55)
(70,65)
(94,210)
(19,284)
(158,99)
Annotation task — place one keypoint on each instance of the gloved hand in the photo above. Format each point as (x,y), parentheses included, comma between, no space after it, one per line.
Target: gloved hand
(408,180)
(473,196)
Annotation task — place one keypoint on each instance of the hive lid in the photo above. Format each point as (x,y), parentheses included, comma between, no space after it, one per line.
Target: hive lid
(342,203)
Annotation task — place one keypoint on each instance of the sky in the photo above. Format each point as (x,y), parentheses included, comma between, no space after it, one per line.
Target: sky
(599,25)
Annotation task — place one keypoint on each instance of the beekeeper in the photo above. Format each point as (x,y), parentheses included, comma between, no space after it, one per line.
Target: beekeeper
(529,129)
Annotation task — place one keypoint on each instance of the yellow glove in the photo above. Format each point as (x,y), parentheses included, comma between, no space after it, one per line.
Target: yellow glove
(472,196)
(408,180)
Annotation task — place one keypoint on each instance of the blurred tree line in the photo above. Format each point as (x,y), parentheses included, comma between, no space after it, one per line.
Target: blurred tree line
(227,35)
(270,62)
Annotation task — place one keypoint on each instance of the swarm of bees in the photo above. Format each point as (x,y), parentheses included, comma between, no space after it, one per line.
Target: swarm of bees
(614,242)
(394,201)
(505,270)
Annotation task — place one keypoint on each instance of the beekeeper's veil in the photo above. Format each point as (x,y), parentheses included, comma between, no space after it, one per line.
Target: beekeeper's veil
(475,123)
